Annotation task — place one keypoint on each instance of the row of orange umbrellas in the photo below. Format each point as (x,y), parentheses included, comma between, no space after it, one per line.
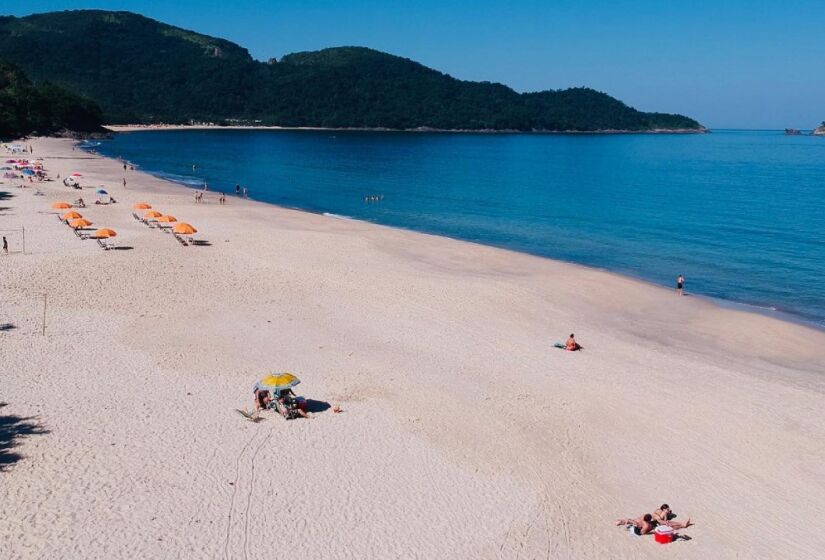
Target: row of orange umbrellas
(181,228)
(77,221)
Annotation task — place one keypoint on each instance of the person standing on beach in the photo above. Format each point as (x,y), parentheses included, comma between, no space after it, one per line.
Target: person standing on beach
(5,245)
(680,285)
(237,190)
(245,192)
(124,182)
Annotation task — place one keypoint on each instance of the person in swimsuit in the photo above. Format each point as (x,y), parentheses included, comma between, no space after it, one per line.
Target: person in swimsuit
(641,525)
(664,516)
(262,399)
(571,344)
(289,405)
(680,285)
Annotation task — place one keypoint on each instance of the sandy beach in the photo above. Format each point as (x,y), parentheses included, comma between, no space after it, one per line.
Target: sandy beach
(464,433)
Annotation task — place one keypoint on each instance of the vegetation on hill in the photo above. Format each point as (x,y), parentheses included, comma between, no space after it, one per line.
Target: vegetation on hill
(26,108)
(142,71)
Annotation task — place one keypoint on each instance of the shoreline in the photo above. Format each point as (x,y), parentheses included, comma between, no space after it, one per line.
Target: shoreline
(464,432)
(140,128)
(764,310)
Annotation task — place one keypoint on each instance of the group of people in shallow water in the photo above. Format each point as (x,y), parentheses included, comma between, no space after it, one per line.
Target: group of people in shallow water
(648,522)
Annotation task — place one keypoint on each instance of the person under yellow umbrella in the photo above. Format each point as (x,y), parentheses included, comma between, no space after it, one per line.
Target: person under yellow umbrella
(70,216)
(79,223)
(275,391)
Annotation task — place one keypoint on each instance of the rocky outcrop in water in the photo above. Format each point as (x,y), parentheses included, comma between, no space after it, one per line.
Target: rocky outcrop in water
(820,130)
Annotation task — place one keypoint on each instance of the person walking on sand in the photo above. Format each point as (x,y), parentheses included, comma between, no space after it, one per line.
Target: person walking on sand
(5,245)
(222,199)
(124,182)
(680,285)
(237,190)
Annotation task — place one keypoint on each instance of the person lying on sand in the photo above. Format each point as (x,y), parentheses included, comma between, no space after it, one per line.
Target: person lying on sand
(289,404)
(641,525)
(571,345)
(664,516)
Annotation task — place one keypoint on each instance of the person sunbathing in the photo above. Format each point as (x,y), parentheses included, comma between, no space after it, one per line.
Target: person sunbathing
(664,516)
(571,345)
(641,525)
(289,405)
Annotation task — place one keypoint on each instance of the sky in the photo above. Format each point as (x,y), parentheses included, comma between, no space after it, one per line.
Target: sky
(728,63)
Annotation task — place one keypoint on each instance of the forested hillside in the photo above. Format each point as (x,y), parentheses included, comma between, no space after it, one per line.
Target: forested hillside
(143,71)
(44,109)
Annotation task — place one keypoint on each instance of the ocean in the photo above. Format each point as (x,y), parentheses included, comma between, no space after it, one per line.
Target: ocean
(741,214)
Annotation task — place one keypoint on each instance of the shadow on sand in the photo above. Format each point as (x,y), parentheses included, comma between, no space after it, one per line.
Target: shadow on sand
(13,429)
(317,406)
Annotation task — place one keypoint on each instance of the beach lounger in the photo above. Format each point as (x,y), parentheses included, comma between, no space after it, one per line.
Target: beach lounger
(105,244)
(136,217)
(180,239)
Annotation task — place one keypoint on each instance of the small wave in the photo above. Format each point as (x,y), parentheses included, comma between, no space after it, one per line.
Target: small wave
(187,180)
(338,216)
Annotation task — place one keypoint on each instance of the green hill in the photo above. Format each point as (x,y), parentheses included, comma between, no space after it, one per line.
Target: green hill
(141,71)
(26,108)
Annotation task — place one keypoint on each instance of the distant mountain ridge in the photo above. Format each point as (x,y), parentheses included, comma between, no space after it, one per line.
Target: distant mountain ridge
(142,71)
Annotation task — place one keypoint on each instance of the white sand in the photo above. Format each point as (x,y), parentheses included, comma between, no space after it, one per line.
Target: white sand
(465,434)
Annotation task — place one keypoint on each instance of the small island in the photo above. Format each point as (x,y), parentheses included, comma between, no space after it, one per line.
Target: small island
(820,130)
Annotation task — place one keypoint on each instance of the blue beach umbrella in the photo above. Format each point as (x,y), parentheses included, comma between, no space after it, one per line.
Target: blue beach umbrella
(28,172)
(101,191)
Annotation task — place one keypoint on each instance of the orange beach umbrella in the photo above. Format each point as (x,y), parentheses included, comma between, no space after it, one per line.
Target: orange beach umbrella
(80,223)
(61,205)
(184,229)
(167,219)
(152,215)
(142,206)
(105,232)
(70,216)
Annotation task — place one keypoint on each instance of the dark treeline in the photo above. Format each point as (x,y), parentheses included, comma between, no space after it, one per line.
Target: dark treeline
(143,71)
(45,108)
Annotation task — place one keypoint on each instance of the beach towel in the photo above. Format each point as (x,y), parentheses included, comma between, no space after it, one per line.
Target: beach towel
(564,347)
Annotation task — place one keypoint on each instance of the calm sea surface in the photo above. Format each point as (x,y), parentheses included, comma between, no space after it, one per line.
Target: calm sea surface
(740,214)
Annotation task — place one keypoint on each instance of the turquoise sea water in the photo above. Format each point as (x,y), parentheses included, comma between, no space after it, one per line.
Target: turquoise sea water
(740,213)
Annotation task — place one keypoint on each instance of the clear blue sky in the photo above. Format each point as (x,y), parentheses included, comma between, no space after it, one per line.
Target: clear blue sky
(729,63)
